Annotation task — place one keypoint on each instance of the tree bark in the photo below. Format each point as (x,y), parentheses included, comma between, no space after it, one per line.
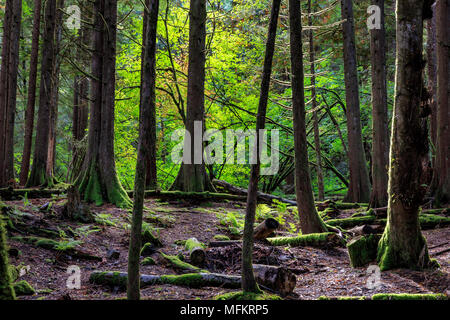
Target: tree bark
(192,176)
(98,181)
(380,139)
(310,221)
(6,290)
(432,80)
(248,278)
(147,140)
(402,244)
(442,168)
(359,188)
(8,89)
(39,174)
(320,186)
(31,101)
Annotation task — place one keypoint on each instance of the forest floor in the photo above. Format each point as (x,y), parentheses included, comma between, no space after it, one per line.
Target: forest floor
(319,271)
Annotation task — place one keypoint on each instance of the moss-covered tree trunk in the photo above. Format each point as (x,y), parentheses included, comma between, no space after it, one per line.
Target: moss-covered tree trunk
(192,176)
(359,188)
(402,243)
(98,181)
(248,278)
(310,221)
(380,135)
(8,89)
(39,175)
(147,129)
(6,289)
(31,99)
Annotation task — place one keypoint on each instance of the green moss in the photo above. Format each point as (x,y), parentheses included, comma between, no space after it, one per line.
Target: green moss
(311,240)
(408,296)
(114,278)
(193,243)
(246,296)
(148,236)
(177,263)
(191,280)
(429,221)
(6,290)
(221,237)
(343,298)
(149,261)
(363,250)
(23,288)
(147,249)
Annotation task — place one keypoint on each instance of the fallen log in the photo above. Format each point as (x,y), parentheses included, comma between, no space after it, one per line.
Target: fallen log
(10,194)
(181,265)
(265,229)
(366,229)
(223,243)
(177,195)
(320,240)
(363,249)
(196,250)
(276,279)
(262,197)
(427,221)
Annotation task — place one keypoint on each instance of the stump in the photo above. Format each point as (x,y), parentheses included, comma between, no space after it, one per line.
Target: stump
(74,209)
(265,229)
(196,251)
(363,249)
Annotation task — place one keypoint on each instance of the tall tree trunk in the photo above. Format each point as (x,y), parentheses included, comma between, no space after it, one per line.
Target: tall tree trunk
(39,175)
(359,188)
(98,181)
(432,80)
(147,133)
(310,221)
(319,170)
(442,169)
(193,177)
(380,138)
(55,92)
(248,278)
(31,101)
(8,89)
(402,243)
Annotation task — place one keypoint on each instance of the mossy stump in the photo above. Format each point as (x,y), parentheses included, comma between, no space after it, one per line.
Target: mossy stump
(363,249)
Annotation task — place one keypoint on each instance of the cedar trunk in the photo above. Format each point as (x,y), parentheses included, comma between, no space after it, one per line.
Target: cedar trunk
(31,101)
(98,181)
(402,243)
(380,138)
(8,88)
(359,188)
(310,221)
(193,177)
(147,129)
(248,278)
(442,168)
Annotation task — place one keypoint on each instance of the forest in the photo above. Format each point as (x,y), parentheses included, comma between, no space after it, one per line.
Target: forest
(224,150)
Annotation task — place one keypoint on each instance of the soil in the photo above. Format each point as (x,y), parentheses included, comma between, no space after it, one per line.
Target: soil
(319,271)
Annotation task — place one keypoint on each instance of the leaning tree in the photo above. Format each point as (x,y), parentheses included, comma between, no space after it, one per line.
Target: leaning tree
(402,243)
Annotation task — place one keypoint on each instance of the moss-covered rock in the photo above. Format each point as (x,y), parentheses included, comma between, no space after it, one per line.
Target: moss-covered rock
(23,288)
(247,296)
(408,296)
(363,249)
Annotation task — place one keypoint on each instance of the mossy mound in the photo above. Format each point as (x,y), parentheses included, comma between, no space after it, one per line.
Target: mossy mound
(149,261)
(408,296)
(221,237)
(23,288)
(363,249)
(247,296)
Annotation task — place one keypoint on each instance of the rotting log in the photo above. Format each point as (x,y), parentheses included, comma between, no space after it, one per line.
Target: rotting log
(366,229)
(175,262)
(200,196)
(9,194)
(196,250)
(265,229)
(320,240)
(262,197)
(275,278)
(363,249)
